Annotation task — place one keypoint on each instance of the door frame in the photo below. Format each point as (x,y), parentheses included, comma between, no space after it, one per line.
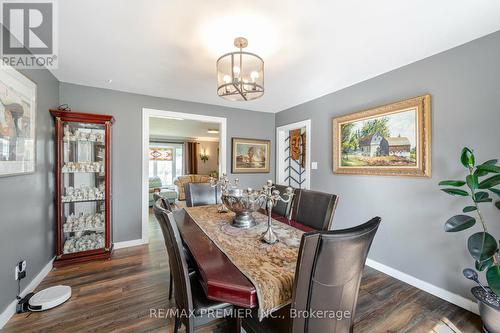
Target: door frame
(280,147)
(156,113)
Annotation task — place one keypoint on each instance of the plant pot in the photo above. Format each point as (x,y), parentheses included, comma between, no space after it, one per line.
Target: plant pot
(489,309)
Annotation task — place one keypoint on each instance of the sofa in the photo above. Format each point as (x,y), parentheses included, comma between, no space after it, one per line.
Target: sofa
(156,186)
(183,180)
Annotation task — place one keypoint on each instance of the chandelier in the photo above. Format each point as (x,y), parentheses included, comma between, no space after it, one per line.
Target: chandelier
(240,75)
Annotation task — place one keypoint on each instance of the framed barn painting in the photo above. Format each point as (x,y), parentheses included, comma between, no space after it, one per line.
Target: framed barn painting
(17,123)
(390,140)
(250,155)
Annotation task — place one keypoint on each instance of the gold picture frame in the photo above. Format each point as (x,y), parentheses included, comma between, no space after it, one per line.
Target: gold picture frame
(389,140)
(250,155)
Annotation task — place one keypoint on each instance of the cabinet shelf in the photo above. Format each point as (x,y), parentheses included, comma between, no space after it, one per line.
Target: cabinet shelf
(96,230)
(83,200)
(98,143)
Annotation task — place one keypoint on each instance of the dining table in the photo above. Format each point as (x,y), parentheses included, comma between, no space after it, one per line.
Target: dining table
(220,278)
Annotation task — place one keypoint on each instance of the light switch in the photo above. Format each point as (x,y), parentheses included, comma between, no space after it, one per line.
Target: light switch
(314,165)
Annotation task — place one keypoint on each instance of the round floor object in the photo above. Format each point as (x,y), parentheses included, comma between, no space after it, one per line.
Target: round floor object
(48,298)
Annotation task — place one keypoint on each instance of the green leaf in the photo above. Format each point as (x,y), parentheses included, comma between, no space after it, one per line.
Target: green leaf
(456,183)
(489,168)
(455,191)
(490,182)
(478,196)
(467,158)
(480,173)
(493,278)
(495,190)
(482,246)
(472,181)
(459,223)
(482,265)
(469,209)
(490,162)
(482,197)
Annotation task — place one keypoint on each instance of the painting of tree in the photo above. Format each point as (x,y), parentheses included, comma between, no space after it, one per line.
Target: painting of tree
(374,126)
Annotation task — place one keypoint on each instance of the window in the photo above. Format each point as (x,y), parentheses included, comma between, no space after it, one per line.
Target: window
(166,161)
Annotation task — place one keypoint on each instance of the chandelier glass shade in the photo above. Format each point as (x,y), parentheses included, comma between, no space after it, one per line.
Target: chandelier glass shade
(240,75)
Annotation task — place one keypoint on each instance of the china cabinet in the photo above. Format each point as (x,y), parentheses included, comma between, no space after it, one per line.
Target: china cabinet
(83,186)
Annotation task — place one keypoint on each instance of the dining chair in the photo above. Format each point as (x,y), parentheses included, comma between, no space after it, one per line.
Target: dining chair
(164,204)
(200,194)
(194,308)
(314,209)
(283,208)
(164,201)
(327,277)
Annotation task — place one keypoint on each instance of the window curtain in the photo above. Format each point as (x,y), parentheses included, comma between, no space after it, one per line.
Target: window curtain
(192,158)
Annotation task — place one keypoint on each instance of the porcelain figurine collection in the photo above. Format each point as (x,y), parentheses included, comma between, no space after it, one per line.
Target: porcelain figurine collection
(84,243)
(83,193)
(84,222)
(78,135)
(72,167)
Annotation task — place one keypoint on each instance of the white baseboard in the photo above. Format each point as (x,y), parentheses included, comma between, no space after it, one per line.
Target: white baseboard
(11,308)
(458,300)
(134,242)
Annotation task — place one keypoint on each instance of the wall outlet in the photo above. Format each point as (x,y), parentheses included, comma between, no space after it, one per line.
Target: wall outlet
(20,270)
(314,165)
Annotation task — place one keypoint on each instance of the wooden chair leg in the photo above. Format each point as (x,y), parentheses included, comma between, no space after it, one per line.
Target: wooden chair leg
(177,324)
(237,323)
(170,287)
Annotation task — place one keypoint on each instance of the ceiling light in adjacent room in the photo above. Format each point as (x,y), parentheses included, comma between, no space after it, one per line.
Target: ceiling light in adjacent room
(172,118)
(240,75)
(213,131)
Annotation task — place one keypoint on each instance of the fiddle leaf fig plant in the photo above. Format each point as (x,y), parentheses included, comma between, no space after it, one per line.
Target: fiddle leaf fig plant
(481,182)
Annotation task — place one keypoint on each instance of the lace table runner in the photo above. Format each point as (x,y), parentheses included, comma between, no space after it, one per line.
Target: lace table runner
(271,268)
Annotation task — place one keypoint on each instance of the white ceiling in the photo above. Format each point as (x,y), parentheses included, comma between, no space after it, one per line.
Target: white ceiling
(169,48)
(182,129)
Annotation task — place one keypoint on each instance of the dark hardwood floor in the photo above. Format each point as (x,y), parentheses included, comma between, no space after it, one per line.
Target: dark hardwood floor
(116,295)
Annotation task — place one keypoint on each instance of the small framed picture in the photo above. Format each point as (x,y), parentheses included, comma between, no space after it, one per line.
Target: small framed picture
(250,155)
(390,140)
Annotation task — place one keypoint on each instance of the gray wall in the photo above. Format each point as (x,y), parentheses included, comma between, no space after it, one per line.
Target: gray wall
(127,142)
(26,204)
(464,83)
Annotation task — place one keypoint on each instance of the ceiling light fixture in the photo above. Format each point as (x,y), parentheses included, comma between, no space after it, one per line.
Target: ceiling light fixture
(240,75)
(172,118)
(213,131)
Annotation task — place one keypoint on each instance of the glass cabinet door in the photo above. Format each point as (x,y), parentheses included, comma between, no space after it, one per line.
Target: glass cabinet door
(83,187)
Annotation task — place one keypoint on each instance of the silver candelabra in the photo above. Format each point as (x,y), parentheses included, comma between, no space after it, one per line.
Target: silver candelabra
(225,185)
(272,197)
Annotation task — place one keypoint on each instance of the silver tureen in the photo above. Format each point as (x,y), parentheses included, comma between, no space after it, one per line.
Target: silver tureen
(243,203)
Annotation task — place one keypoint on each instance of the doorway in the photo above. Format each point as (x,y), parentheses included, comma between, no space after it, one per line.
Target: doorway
(168,155)
(294,171)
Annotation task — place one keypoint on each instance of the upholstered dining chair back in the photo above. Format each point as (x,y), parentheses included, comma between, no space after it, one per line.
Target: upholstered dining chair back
(314,209)
(177,259)
(164,201)
(327,277)
(200,194)
(283,208)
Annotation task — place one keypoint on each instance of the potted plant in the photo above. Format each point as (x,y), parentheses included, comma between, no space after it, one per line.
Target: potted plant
(481,182)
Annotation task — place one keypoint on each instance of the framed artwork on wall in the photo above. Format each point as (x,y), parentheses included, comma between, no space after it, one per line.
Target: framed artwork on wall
(17,123)
(390,140)
(250,155)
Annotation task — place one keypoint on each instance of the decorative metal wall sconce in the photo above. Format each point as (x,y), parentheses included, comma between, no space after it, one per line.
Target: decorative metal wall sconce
(204,156)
